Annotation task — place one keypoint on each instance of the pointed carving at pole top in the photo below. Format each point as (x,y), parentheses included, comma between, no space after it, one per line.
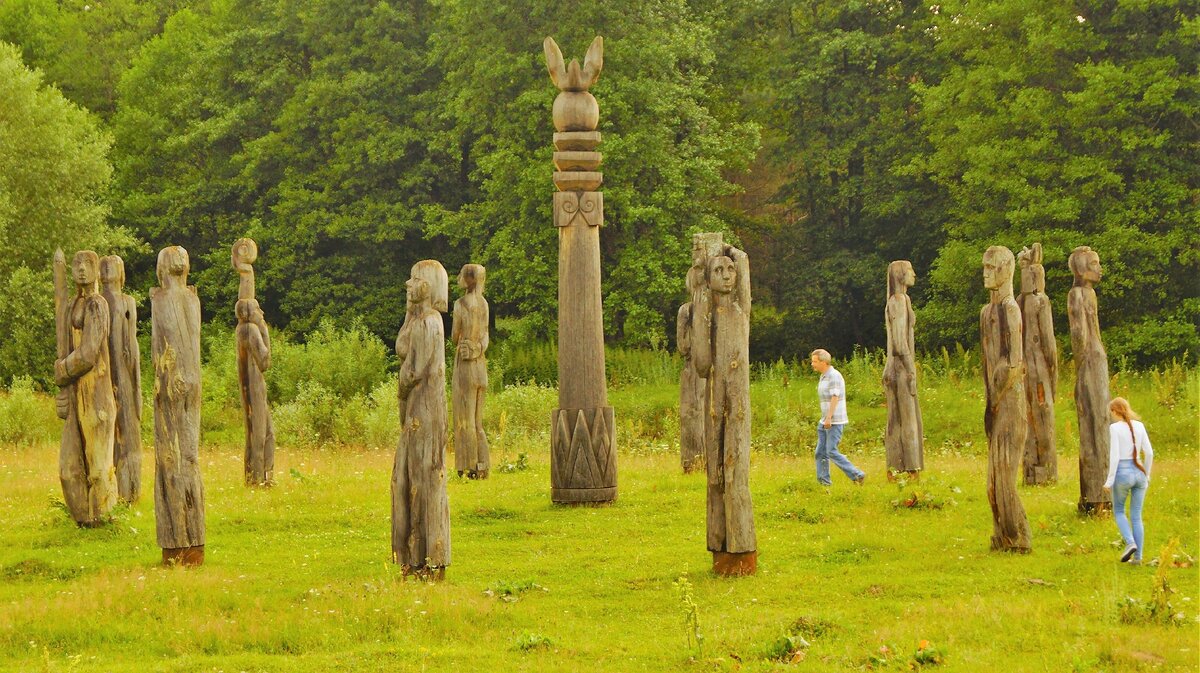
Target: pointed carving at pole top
(570,77)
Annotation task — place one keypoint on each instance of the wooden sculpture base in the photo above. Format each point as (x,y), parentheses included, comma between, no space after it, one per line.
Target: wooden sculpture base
(426,573)
(1095,508)
(909,475)
(583,496)
(734,564)
(183,556)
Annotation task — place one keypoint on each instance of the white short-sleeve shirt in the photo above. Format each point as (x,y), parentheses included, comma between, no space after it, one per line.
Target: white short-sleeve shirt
(832,383)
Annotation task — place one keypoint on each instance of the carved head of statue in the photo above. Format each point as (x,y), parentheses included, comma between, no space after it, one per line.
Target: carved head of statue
(722,274)
(246,310)
(1033,274)
(173,262)
(112,272)
(900,277)
(85,268)
(245,251)
(1085,264)
(472,277)
(998,263)
(429,281)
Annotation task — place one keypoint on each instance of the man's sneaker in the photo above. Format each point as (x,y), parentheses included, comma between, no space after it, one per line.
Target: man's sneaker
(860,480)
(1128,553)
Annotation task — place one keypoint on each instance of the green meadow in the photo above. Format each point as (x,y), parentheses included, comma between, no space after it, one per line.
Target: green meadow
(883,577)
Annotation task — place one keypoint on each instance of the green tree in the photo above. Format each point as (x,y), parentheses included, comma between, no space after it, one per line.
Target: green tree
(665,151)
(1072,125)
(53,177)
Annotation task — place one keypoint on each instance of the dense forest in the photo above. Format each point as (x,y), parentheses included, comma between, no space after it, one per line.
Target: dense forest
(352,138)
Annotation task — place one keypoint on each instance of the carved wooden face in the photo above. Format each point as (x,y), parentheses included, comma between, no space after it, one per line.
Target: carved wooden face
(997,267)
(417,290)
(1086,265)
(246,309)
(173,261)
(112,271)
(85,267)
(1033,279)
(722,275)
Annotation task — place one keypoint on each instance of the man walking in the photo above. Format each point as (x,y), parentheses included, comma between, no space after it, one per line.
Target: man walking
(831,389)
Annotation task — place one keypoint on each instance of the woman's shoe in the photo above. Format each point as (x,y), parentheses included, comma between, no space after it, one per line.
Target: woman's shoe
(1128,553)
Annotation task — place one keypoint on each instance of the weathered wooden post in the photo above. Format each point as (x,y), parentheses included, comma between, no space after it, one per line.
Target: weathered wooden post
(721,356)
(253,359)
(1041,369)
(126,358)
(905,437)
(693,389)
(85,401)
(1091,379)
(469,332)
(175,336)
(583,454)
(420,504)
(1004,416)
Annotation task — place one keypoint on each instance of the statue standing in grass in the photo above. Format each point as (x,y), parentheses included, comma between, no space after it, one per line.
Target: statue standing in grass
(175,335)
(469,332)
(420,505)
(85,401)
(1091,379)
(253,360)
(904,441)
(1004,416)
(1041,369)
(692,388)
(126,358)
(721,356)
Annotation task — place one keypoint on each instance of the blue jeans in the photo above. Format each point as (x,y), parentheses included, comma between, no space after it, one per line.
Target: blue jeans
(1130,484)
(827,450)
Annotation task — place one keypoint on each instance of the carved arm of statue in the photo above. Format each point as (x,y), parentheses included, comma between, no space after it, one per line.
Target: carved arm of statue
(1077,319)
(260,348)
(83,358)
(741,262)
(701,339)
(683,330)
(1009,373)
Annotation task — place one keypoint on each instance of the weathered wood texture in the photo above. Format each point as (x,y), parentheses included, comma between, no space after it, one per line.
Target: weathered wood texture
(1091,379)
(175,338)
(253,359)
(469,332)
(721,355)
(242,256)
(1041,369)
(85,401)
(253,340)
(693,389)
(583,459)
(126,359)
(420,504)
(905,436)
(1004,415)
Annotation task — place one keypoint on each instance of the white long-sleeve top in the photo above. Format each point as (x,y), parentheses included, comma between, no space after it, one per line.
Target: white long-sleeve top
(1120,447)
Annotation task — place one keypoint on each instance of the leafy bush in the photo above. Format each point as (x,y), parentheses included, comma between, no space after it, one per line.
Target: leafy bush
(345,362)
(27,339)
(24,417)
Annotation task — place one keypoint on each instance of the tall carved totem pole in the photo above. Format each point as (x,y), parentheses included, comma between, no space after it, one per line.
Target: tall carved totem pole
(583,455)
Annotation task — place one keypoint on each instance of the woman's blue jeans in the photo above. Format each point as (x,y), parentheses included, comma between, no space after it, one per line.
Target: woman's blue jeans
(1130,484)
(827,450)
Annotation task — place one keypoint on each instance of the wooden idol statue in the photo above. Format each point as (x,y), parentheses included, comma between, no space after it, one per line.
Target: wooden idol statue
(1004,416)
(1091,379)
(253,359)
(720,354)
(85,400)
(175,335)
(469,332)
(1041,369)
(692,388)
(904,441)
(420,505)
(126,359)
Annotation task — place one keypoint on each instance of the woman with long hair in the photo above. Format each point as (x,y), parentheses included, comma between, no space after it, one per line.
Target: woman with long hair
(1128,475)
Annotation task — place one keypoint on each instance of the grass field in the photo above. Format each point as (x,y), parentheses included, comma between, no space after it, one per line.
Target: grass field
(297,577)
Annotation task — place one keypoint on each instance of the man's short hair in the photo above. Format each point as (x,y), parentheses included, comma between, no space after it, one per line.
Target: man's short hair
(822,355)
